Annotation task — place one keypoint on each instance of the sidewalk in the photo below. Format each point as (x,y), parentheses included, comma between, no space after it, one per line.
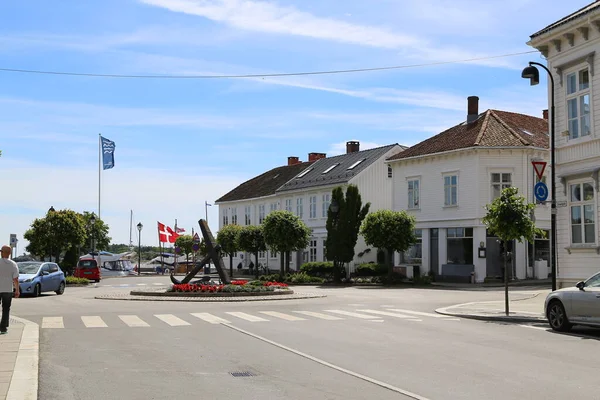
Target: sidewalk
(523,308)
(541,283)
(19,361)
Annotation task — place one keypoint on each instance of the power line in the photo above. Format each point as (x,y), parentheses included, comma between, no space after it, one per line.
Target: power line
(340,71)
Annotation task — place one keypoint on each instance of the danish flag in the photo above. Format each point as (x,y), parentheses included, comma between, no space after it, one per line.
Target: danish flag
(166,234)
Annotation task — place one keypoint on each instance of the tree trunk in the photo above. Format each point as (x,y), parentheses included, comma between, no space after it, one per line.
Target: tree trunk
(287,262)
(256,264)
(230,265)
(281,265)
(336,272)
(506,308)
(389,261)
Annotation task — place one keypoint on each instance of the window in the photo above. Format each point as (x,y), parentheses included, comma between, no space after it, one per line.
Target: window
(261,213)
(299,209)
(450,190)
(325,204)
(313,207)
(53,268)
(390,173)
(262,254)
(273,254)
(414,253)
(248,215)
(500,181)
(356,163)
(234,215)
(578,104)
(594,281)
(460,245)
(273,207)
(288,205)
(312,250)
(226,217)
(306,171)
(413,193)
(330,168)
(583,220)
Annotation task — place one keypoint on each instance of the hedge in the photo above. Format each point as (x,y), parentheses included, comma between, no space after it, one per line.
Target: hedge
(317,268)
(371,269)
(71,280)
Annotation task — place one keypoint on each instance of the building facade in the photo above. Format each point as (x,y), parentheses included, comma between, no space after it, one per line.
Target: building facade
(445,183)
(305,189)
(570,47)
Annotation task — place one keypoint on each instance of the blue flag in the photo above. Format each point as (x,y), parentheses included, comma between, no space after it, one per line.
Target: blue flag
(108,153)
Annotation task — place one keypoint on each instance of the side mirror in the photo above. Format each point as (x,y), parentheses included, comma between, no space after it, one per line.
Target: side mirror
(580,285)
(45,273)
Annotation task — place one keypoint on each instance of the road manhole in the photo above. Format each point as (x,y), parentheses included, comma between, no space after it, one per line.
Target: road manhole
(240,374)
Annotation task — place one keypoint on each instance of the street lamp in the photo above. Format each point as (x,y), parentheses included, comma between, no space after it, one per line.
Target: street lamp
(139,226)
(92,231)
(533,74)
(206,205)
(51,210)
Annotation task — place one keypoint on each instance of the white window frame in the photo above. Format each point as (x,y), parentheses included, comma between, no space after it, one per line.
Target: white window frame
(299,207)
(581,204)
(503,185)
(288,205)
(326,201)
(312,250)
(448,189)
(234,215)
(412,204)
(226,217)
(248,215)
(261,213)
(312,210)
(578,96)
(262,254)
(272,207)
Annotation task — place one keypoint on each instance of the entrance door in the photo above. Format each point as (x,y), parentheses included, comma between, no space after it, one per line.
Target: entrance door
(434,251)
(495,258)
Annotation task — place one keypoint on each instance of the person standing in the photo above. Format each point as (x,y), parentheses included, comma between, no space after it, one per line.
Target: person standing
(9,285)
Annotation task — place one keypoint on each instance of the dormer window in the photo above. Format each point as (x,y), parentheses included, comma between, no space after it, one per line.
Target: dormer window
(355,164)
(330,168)
(303,173)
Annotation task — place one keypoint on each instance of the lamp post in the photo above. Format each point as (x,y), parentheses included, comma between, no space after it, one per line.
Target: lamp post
(139,226)
(533,74)
(334,207)
(92,233)
(206,205)
(51,210)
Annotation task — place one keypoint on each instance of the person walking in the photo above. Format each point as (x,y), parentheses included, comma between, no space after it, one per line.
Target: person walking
(9,285)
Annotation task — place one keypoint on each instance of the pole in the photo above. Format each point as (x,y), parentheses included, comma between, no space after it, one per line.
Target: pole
(99,170)
(139,252)
(553,263)
(130,229)
(174,252)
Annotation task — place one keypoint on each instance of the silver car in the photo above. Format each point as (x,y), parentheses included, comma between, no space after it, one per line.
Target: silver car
(579,305)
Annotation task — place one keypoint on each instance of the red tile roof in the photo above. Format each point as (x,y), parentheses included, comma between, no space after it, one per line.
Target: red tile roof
(493,128)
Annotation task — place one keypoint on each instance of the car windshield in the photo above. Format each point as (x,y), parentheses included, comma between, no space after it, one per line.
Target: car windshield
(594,281)
(28,267)
(84,264)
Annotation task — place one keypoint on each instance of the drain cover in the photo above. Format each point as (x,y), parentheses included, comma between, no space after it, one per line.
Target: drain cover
(241,373)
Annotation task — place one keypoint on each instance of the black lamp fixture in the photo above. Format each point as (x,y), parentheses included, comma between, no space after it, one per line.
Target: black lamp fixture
(334,207)
(51,209)
(139,227)
(93,219)
(532,74)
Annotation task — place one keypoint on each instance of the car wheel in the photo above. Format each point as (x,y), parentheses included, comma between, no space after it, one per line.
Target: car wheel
(37,289)
(557,317)
(61,288)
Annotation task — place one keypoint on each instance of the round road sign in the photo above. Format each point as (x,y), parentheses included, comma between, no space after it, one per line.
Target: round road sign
(541,191)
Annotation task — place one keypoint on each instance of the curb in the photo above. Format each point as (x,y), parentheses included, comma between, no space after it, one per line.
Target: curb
(211,299)
(24,381)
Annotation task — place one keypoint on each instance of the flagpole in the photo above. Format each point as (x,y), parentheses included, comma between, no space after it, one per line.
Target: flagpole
(175,245)
(99,170)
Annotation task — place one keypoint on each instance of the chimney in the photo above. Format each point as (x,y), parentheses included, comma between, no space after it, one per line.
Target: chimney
(293,161)
(472,108)
(352,147)
(315,156)
(545,114)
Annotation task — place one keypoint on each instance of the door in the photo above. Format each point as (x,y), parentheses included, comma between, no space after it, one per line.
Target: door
(56,277)
(434,251)
(586,302)
(46,278)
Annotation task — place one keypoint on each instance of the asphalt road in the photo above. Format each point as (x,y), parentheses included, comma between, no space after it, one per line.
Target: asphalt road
(356,343)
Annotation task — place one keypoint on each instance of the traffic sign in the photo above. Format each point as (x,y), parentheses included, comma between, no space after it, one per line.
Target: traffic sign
(539,167)
(13,240)
(541,191)
(196,238)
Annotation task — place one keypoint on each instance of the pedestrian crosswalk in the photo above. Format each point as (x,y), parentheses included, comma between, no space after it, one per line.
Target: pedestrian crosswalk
(232,317)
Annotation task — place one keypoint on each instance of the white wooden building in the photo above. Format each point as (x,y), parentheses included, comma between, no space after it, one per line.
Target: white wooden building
(570,47)
(446,181)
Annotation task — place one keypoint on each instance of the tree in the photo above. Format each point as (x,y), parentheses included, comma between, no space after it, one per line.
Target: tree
(391,231)
(98,232)
(252,240)
(227,238)
(509,218)
(56,232)
(185,244)
(284,232)
(343,227)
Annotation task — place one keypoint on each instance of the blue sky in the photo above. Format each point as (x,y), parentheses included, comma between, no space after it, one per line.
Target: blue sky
(180,142)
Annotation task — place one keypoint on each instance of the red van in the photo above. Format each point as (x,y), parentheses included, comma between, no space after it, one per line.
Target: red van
(88,268)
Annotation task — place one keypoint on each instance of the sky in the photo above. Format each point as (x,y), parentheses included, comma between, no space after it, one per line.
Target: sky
(183,142)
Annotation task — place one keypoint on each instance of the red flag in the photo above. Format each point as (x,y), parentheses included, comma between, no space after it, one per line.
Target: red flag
(172,235)
(164,233)
(179,230)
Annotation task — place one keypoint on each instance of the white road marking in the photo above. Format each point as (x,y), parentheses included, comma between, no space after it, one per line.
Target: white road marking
(540,328)
(356,305)
(124,285)
(158,284)
(286,317)
(247,317)
(171,320)
(352,314)
(210,318)
(52,323)
(93,322)
(388,314)
(133,321)
(141,284)
(319,315)
(424,314)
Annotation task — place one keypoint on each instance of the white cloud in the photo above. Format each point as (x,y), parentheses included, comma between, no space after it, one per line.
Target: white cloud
(260,16)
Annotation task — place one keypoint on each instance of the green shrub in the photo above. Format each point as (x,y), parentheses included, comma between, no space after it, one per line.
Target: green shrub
(246,288)
(269,278)
(71,280)
(422,280)
(371,269)
(396,278)
(303,277)
(317,268)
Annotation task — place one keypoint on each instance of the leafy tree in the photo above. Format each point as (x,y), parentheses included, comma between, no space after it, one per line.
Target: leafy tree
(252,240)
(98,233)
(343,228)
(185,243)
(391,231)
(509,218)
(284,232)
(56,232)
(227,238)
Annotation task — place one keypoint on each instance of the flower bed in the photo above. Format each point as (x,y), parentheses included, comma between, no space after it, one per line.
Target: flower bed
(237,287)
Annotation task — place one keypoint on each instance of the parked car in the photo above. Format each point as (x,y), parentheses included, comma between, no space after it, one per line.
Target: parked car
(88,269)
(36,277)
(579,305)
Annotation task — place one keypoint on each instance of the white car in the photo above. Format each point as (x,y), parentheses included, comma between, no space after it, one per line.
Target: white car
(579,305)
